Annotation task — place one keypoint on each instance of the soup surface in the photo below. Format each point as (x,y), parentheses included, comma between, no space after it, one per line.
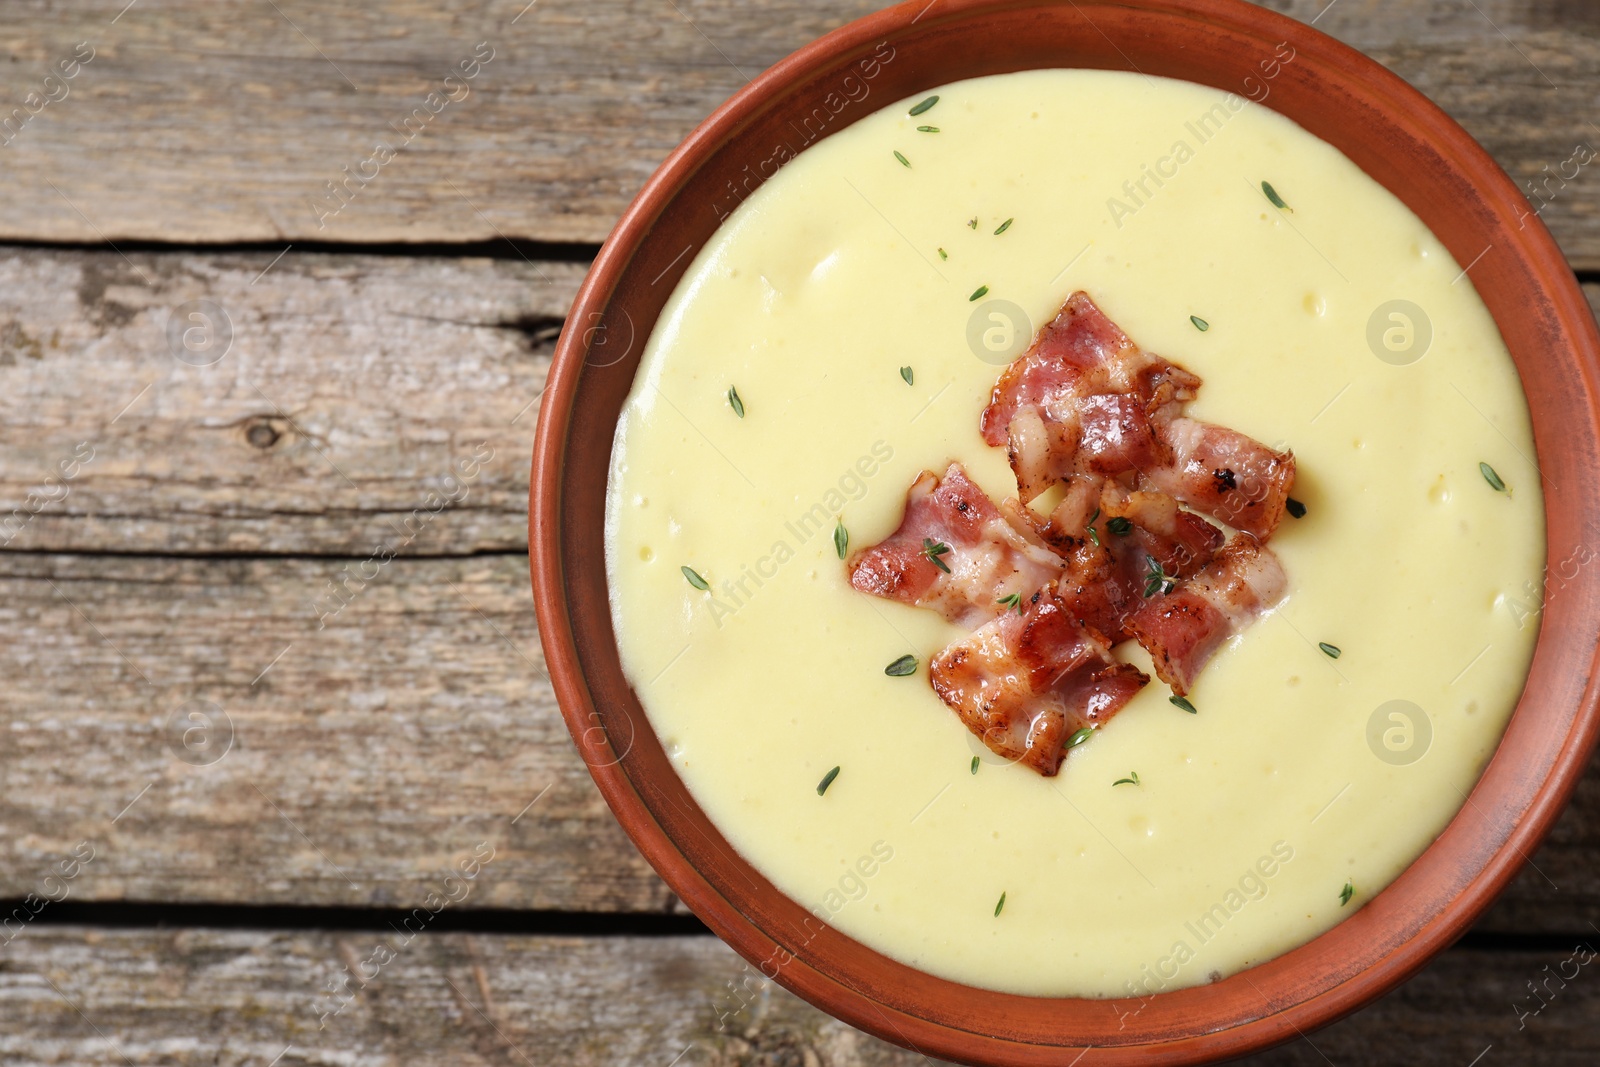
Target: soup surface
(838,300)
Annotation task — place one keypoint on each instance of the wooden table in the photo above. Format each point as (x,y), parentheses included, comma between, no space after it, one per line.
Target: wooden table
(257,517)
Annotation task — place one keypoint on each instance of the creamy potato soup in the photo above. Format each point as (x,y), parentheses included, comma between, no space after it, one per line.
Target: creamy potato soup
(843,331)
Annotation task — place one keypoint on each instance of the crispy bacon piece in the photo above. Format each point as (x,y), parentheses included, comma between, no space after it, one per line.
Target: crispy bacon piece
(1026,683)
(1101,587)
(1041,453)
(1078,505)
(1107,573)
(1225,474)
(1115,435)
(1085,398)
(1068,524)
(1181,541)
(1118,557)
(1183,629)
(1082,353)
(988,552)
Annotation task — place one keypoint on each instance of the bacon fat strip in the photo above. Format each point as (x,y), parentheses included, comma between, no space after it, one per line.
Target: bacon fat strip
(1026,683)
(990,553)
(1224,474)
(1183,629)
(1041,453)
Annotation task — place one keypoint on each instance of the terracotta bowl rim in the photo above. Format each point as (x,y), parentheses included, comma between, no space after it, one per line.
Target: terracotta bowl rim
(1407,108)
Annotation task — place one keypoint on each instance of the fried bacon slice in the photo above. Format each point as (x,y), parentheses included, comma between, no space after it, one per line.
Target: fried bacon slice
(1079,505)
(1108,571)
(1025,683)
(1126,552)
(1226,475)
(1181,541)
(1086,401)
(955,552)
(1183,629)
(1083,398)
(1041,453)
(1096,592)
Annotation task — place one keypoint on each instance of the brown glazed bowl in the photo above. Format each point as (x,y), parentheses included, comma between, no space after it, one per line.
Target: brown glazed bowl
(1388,129)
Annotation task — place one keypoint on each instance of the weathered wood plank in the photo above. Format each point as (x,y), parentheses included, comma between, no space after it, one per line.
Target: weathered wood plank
(312,406)
(227,122)
(352,388)
(414,724)
(74,996)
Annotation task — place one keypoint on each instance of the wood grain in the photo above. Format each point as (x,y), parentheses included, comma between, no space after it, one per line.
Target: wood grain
(227,121)
(75,996)
(351,388)
(370,746)
(366,753)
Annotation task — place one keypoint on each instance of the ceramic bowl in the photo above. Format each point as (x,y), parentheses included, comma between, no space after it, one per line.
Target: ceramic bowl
(1400,139)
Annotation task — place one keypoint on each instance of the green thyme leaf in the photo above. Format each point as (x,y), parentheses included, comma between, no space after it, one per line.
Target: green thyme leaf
(900,668)
(1132,779)
(978,293)
(695,579)
(1094,535)
(1080,737)
(974,764)
(972,223)
(827,780)
(927,129)
(1003,227)
(1346,893)
(735,402)
(1492,478)
(1295,508)
(1183,702)
(1272,195)
(1119,525)
(932,550)
(943,254)
(904,162)
(908,375)
(1000,905)
(1200,324)
(924,106)
(1012,600)
(841,539)
(1156,578)
(1332,651)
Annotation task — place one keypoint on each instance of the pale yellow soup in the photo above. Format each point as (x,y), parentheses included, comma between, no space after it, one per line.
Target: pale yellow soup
(1298,775)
